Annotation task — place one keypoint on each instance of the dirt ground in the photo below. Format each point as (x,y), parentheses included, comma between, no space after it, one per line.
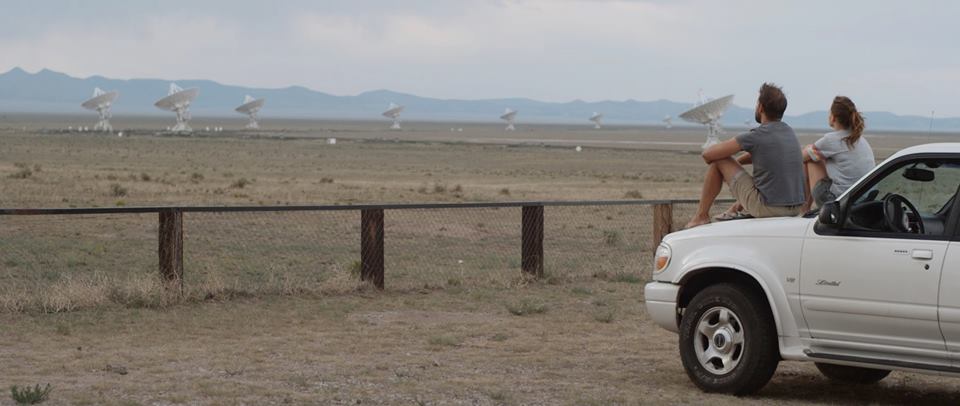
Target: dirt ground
(592,345)
(582,338)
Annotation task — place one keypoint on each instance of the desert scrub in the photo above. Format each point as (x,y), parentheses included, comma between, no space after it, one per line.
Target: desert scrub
(633,194)
(30,396)
(117,190)
(611,237)
(444,341)
(23,171)
(626,277)
(526,307)
(240,183)
(605,316)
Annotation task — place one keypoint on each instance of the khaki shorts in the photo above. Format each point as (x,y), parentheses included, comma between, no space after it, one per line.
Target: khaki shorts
(746,192)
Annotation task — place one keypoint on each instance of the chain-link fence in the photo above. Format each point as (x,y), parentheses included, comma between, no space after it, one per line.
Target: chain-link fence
(75,258)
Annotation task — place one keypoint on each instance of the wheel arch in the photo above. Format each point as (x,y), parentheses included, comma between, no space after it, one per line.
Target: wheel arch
(696,280)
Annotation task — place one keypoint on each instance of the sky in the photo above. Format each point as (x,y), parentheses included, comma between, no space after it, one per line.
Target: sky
(893,56)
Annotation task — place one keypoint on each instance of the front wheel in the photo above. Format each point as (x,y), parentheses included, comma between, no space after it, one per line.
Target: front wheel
(728,340)
(854,375)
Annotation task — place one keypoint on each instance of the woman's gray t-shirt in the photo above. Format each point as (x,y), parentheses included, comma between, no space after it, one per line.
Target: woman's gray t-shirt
(777,163)
(845,164)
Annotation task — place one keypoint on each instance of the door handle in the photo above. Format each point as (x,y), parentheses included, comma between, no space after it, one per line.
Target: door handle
(922,254)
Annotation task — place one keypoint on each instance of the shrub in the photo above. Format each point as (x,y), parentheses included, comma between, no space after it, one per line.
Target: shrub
(446,341)
(439,188)
(633,194)
(604,317)
(144,176)
(526,307)
(28,395)
(505,192)
(627,277)
(117,190)
(23,173)
(611,237)
(240,183)
(196,177)
(326,180)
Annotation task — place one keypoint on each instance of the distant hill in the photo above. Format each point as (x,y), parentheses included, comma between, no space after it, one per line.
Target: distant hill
(52,92)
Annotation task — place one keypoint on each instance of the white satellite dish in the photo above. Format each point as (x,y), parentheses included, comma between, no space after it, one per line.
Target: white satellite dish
(178,101)
(509,116)
(251,107)
(668,122)
(101,102)
(596,117)
(394,112)
(708,113)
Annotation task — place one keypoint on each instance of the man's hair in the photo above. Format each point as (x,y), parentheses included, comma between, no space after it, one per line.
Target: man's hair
(773,100)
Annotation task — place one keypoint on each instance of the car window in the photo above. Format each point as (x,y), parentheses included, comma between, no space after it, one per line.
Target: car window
(929,185)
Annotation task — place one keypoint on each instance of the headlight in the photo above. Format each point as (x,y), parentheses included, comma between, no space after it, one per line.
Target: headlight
(661,258)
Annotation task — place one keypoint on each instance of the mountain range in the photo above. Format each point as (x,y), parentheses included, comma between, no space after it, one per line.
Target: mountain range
(48,91)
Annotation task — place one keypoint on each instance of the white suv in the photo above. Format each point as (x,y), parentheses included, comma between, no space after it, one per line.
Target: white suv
(870,285)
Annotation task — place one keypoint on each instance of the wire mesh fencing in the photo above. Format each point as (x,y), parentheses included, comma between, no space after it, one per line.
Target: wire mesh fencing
(66,261)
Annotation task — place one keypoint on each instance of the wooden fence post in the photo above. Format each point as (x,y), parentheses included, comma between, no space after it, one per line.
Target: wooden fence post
(532,241)
(170,249)
(662,222)
(371,246)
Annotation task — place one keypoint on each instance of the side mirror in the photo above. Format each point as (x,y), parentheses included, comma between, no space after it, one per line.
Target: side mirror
(830,214)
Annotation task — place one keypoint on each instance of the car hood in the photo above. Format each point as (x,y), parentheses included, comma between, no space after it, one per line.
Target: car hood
(772,227)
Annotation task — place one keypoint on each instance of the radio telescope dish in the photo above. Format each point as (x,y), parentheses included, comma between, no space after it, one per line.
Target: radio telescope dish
(394,112)
(708,113)
(251,107)
(596,117)
(668,122)
(509,116)
(178,101)
(101,102)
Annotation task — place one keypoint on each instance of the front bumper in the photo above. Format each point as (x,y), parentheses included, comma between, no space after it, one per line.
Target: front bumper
(661,301)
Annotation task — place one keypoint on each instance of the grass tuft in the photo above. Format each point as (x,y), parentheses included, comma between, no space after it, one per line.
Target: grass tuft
(444,341)
(526,307)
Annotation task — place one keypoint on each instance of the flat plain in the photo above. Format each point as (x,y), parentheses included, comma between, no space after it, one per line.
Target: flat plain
(273,312)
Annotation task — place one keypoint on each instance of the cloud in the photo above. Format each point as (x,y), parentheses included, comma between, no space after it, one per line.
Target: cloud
(892,54)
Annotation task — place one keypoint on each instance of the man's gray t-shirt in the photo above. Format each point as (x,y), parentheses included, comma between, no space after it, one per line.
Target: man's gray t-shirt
(777,163)
(845,164)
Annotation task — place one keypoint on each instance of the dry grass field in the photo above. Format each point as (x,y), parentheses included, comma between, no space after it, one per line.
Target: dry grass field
(272,311)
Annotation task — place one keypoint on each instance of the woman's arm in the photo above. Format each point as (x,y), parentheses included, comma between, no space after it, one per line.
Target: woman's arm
(811,154)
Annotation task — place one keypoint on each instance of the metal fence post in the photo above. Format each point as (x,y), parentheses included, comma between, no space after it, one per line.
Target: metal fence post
(371,246)
(532,241)
(170,250)
(662,222)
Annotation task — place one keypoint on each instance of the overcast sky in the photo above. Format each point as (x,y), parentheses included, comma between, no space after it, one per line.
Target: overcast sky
(897,56)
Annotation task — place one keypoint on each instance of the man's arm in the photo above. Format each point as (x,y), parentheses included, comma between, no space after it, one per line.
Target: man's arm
(745,158)
(722,150)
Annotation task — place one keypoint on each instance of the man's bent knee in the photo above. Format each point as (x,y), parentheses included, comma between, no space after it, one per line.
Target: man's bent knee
(728,167)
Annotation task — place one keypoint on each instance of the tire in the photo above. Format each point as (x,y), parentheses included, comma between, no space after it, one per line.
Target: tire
(854,375)
(745,350)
